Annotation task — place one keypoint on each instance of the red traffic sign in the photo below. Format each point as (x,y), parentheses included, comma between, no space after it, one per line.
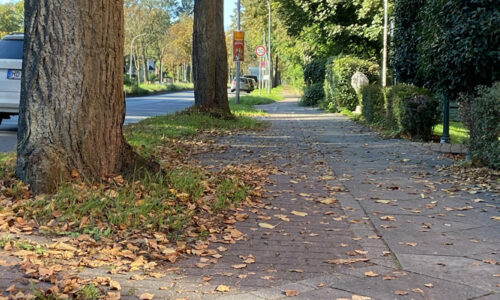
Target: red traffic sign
(260,50)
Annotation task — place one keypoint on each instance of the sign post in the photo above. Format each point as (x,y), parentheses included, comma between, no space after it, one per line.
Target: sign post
(238,56)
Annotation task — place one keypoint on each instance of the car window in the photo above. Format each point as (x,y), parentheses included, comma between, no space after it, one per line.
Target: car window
(11,49)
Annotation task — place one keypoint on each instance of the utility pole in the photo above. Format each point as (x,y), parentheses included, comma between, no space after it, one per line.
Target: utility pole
(270,57)
(384,62)
(238,59)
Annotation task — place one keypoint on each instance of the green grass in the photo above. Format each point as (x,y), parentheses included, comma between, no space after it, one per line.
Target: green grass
(155,88)
(459,134)
(245,107)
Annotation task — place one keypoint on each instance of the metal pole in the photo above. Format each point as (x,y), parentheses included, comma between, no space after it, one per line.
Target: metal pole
(384,62)
(445,138)
(238,59)
(130,59)
(270,57)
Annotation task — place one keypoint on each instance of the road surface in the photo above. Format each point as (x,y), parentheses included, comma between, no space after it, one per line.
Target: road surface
(138,108)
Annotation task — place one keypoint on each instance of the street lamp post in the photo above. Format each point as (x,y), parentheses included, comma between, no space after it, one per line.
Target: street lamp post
(130,60)
(238,23)
(270,58)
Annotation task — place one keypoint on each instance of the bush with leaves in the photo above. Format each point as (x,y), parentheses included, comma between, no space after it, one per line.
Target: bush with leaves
(313,93)
(458,45)
(485,126)
(314,77)
(411,110)
(338,75)
(314,72)
(372,103)
(404,57)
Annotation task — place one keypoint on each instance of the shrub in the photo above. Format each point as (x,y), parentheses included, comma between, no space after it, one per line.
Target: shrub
(372,102)
(485,126)
(314,72)
(313,94)
(411,110)
(339,73)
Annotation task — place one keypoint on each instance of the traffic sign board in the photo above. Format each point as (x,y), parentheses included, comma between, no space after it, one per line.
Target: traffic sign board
(260,50)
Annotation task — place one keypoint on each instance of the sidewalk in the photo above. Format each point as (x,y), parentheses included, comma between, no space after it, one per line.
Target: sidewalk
(347,216)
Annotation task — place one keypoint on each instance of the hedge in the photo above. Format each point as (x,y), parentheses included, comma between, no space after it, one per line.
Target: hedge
(338,89)
(485,126)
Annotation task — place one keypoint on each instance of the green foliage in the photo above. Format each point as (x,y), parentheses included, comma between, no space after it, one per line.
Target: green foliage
(485,127)
(313,94)
(459,45)
(372,103)
(404,56)
(246,106)
(339,92)
(11,18)
(459,133)
(314,72)
(410,110)
(334,27)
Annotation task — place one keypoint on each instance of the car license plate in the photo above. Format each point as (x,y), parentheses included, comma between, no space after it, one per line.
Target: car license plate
(14,74)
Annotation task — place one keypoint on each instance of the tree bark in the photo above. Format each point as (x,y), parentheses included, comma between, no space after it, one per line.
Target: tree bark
(210,58)
(72,103)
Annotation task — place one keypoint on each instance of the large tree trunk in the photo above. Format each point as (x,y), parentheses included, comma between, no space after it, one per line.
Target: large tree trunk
(210,58)
(72,102)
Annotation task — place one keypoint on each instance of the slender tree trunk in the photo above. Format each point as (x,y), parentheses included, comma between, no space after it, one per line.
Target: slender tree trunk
(72,103)
(210,58)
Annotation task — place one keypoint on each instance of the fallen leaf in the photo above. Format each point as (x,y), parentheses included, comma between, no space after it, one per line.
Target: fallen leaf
(371,274)
(146,296)
(266,225)
(496,218)
(296,271)
(114,285)
(401,293)
(418,291)
(291,293)
(388,218)
(358,297)
(384,201)
(239,266)
(411,244)
(223,288)
(299,213)
(388,277)
(346,261)
(328,201)
(429,285)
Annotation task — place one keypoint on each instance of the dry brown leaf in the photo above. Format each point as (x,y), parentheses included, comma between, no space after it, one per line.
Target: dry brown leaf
(371,274)
(384,201)
(296,271)
(429,285)
(239,266)
(328,201)
(266,225)
(146,296)
(114,285)
(223,288)
(496,218)
(418,291)
(299,213)
(358,297)
(346,261)
(388,277)
(291,293)
(401,293)
(388,218)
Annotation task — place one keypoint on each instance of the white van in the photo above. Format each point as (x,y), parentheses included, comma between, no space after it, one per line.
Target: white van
(11,62)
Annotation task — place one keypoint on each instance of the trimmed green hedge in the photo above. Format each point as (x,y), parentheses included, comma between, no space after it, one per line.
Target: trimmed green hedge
(313,93)
(402,109)
(485,126)
(314,76)
(338,89)
(372,103)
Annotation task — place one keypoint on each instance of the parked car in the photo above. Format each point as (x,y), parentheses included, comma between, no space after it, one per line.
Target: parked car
(11,62)
(245,85)
(255,78)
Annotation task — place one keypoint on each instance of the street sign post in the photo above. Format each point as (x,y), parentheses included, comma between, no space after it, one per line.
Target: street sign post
(239,46)
(260,50)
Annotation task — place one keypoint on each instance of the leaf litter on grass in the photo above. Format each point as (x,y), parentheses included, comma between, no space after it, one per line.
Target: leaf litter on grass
(128,224)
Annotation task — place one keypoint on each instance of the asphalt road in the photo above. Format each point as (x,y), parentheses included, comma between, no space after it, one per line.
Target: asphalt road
(138,108)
